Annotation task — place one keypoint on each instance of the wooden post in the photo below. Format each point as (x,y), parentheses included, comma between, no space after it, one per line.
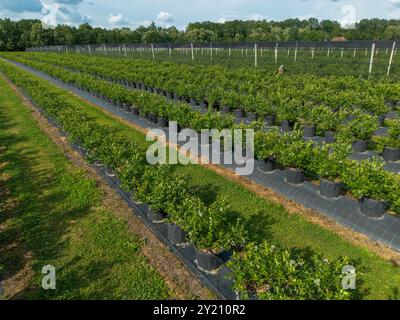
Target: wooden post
(391,58)
(255,55)
(371,62)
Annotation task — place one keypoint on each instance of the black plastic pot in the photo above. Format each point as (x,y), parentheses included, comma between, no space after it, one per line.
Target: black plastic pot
(267,165)
(309,131)
(225,109)
(193,102)
(286,126)
(381,120)
(372,208)
(155,216)
(175,234)
(153,118)
(330,137)
(162,122)
(204,104)
(359,146)
(207,261)
(391,154)
(329,189)
(294,176)
(135,111)
(269,121)
(239,113)
(251,116)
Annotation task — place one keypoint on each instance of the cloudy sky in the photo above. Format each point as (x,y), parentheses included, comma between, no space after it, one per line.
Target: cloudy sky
(133,13)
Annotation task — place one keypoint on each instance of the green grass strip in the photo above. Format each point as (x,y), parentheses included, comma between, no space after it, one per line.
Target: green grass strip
(52,214)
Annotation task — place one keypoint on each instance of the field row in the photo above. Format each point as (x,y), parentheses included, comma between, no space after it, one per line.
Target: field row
(216,228)
(365,179)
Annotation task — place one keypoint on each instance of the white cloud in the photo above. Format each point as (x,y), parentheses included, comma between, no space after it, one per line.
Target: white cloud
(117,20)
(164,18)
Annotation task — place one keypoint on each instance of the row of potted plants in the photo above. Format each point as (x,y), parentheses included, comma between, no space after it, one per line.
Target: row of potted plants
(211,228)
(350,124)
(251,89)
(290,149)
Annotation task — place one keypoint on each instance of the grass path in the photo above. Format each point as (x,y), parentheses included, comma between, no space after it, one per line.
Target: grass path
(51,214)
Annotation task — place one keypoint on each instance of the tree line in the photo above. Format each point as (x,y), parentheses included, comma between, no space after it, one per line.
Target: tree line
(22,34)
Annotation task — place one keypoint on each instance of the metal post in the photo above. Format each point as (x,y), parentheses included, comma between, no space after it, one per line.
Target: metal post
(391,58)
(371,62)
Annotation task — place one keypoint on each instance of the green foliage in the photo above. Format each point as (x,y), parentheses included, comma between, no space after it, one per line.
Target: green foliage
(214,229)
(269,272)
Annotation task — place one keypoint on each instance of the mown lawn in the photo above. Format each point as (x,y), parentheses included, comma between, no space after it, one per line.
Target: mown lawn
(50,214)
(268,220)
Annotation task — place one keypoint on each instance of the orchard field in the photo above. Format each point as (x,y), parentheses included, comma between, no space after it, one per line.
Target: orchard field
(339,132)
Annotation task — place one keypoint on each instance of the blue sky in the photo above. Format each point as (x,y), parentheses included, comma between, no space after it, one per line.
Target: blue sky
(133,13)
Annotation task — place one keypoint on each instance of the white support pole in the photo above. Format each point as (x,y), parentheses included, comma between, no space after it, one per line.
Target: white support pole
(170,51)
(152,51)
(295,54)
(230,51)
(329,52)
(191,46)
(126,53)
(276,53)
(255,55)
(371,62)
(211,53)
(354,53)
(312,53)
(104,47)
(391,58)
(341,55)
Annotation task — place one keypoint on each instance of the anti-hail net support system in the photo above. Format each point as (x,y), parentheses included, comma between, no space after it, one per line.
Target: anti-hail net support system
(357,58)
